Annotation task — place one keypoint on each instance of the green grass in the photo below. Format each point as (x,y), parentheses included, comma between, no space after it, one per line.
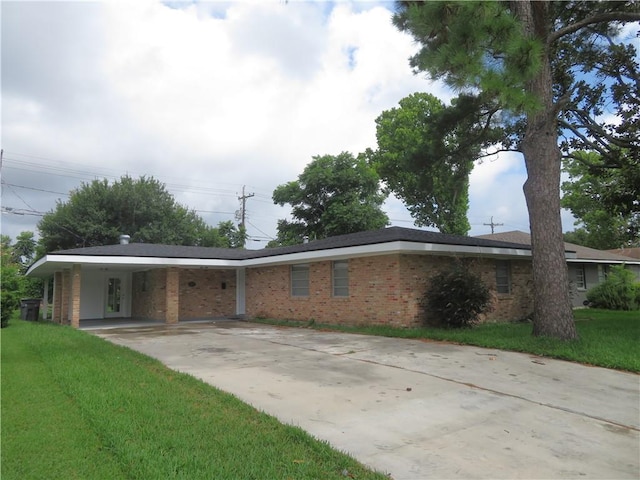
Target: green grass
(77,407)
(607,339)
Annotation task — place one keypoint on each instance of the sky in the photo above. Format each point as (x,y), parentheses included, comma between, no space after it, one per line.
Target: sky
(209,98)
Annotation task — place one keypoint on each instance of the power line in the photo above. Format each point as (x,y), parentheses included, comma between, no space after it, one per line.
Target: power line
(34,189)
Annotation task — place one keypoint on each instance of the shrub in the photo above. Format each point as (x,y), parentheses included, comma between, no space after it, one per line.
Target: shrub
(10,290)
(619,291)
(456,298)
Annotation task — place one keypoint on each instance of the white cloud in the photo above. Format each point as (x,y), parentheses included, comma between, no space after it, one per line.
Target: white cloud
(206,97)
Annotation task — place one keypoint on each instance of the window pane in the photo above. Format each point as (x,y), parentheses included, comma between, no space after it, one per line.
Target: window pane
(503,277)
(300,280)
(341,278)
(580,277)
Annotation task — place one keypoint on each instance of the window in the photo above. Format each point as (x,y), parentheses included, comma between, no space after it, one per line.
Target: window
(581,279)
(503,277)
(603,271)
(300,280)
(341,278)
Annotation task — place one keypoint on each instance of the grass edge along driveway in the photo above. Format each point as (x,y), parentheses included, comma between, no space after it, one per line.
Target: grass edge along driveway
(607,338)
(75,406)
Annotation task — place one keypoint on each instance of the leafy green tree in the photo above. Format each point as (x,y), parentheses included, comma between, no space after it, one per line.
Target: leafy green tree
(24,249)
(97,213)
(421,160)
(536,70)
(605,201)
(334,195)
(225,235)
(11,281)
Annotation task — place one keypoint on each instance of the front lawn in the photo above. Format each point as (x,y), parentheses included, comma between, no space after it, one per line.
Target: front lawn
(607,338)
(78,407)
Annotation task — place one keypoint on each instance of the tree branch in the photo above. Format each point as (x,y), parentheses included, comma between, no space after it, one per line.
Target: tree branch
(597,18)
(596,128)
(563,123)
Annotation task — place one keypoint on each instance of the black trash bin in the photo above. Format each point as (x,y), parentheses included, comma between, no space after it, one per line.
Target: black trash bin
(30,309)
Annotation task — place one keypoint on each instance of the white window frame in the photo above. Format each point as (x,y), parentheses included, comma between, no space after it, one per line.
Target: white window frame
(581,277)
(340,278)
(299,275)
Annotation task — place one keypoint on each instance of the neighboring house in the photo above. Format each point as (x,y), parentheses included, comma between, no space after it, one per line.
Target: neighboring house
(586,270)
(374,277)
(633,252)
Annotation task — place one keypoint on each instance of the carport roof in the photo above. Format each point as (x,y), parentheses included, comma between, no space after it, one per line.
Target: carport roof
(386,240)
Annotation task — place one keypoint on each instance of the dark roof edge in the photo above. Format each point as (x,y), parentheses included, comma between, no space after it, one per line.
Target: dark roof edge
(371,237)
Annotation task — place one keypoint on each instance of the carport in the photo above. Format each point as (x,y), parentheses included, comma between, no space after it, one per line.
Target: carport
(164,283)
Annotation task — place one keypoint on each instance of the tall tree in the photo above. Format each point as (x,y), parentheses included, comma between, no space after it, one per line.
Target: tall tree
(24,250)
(99,212)
(605,201)
(421,160)
(537,70)
(334,195)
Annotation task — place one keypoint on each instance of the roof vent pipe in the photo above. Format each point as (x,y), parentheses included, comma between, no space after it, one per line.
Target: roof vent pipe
(124,239)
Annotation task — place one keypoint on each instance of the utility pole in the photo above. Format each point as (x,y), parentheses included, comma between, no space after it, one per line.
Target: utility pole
(493,225)
(243,206)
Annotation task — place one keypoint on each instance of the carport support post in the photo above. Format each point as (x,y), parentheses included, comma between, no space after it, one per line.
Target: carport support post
(45,299)
(66,296)
(57,297)
(240,292)
(173,295)
(75,295)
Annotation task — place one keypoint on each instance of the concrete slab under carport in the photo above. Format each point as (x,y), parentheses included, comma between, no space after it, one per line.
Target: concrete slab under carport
(417,409)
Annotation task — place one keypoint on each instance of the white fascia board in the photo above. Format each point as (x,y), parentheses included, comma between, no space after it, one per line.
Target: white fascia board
(37,265)
(385,249)
(131,261)
(398,247)
(602,261)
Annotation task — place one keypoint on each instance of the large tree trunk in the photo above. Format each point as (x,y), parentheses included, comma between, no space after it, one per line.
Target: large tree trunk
(553,315)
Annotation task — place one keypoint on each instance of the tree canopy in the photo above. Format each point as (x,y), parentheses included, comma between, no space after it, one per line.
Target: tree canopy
(422,161)
(334,195)
(546,79)
(97,213)
(605,201)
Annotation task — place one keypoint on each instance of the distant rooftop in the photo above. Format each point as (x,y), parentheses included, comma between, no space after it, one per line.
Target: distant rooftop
(583,253)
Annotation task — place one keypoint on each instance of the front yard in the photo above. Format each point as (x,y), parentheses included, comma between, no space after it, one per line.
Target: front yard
(77,407)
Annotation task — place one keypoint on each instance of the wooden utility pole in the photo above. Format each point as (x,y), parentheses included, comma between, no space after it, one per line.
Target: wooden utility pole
(243,206)
(493,225)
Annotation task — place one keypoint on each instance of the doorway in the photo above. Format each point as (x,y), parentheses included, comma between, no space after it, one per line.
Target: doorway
(114,306)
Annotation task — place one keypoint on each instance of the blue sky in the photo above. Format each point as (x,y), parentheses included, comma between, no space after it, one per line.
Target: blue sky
(207,98)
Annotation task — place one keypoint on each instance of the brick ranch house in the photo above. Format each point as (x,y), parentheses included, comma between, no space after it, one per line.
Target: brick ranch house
(374,277)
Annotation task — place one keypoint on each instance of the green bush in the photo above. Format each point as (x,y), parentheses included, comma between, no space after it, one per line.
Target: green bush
(619,291)
(456,298)
(10,289)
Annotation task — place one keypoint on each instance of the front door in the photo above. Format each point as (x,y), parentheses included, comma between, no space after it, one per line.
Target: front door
(114,304)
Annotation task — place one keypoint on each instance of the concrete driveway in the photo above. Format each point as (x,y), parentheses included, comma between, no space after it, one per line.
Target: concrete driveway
(415,409)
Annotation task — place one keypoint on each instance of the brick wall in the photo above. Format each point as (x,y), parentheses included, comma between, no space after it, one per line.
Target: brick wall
(375,293)
(200,294)
(518,304)
(149,294)
(383,290)
(207,293)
